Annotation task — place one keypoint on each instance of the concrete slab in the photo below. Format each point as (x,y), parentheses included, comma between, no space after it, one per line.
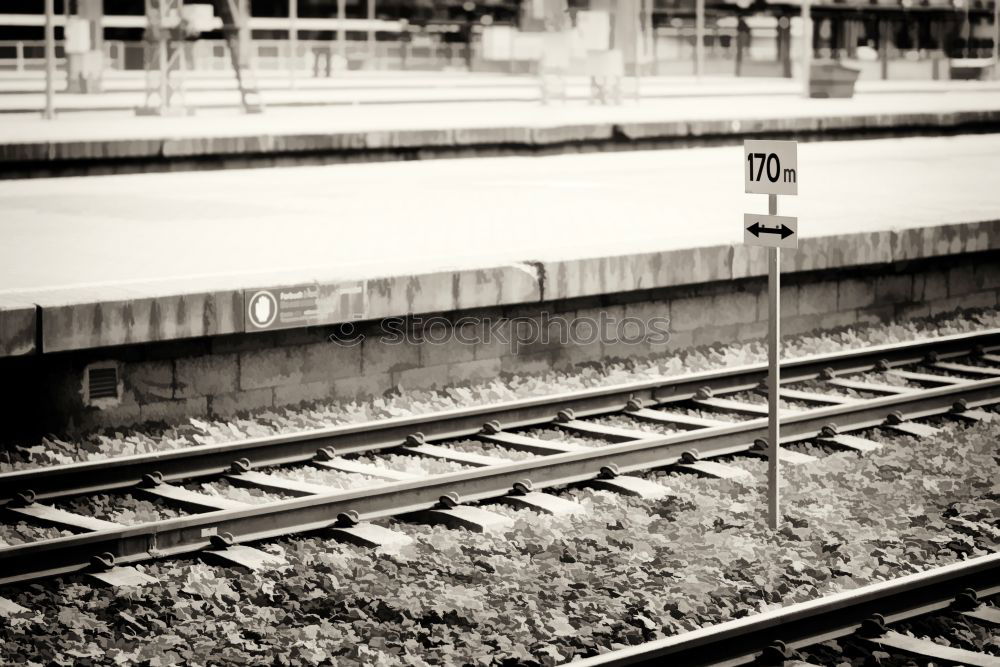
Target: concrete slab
(589,276)
(533,445)
(197,502)
(927,649)
(348,465)
(984,614)
(632,486)
(87,317)
(371,535)
(444,453)
(915,429)
(123,576)
(544,503)
(244,556)
(854,442)
(63,519)
(714,469)
(678,418)
(18,326)
(271,482)
(786,456)
(475,519)
(134,259)
(976,415)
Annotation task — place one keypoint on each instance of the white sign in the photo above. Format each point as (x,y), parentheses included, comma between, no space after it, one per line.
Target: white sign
(262,308)
(770,231)
(771,167)
(305,305)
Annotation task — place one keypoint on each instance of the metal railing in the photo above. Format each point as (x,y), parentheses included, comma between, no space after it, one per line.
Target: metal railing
(267,55)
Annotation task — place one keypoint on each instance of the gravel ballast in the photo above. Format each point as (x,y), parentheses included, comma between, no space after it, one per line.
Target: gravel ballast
(552,587)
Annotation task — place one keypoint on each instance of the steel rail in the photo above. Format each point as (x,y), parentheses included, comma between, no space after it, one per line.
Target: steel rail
(803,624)
(193,533)
(205,460)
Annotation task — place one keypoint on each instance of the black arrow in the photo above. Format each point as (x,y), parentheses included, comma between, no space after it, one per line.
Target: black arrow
(757,229)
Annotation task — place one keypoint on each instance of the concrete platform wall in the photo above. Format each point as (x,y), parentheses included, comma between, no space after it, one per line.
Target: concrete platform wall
(32,159)
(224,375)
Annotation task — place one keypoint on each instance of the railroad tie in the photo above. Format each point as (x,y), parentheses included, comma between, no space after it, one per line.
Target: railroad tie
(64,519)
(104,570)
(225,549)
(446,454)
(122,576)
(349,528)
(476,519)
(975,415)
(870,387)
(275,483)
(192,500)
(815,397)
(784,455)
(328,460)
(679,419)
(927,649)
(730,405)
(854,442)
(962,410)
(926,378)
(612,433)
(897,423)
(690,461)
(984,614)
(525,444)
(966,368)
(632,486)
(544,503)
(371,536)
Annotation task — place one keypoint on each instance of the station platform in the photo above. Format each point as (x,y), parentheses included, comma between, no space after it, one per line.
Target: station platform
(204,90)
(708,113)
(130,259)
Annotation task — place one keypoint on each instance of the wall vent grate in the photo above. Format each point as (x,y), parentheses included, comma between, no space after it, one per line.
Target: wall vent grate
(102,383)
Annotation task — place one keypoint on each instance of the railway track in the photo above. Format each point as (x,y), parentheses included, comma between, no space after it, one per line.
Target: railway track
(954,374)
(770,638)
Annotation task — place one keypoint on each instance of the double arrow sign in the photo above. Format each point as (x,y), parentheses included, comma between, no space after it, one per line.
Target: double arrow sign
(773,231)
(784,231)
(770,168)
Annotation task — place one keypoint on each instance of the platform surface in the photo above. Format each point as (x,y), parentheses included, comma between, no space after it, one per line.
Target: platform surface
(677,213)
(369,219)
(676,100)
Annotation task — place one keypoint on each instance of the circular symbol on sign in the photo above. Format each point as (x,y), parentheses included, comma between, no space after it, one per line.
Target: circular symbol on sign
(262,309)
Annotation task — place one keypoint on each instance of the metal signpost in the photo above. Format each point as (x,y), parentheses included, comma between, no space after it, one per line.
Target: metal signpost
(807,45)
(771,168)
(293,41)
(996,39)
(50,60)
(699,38)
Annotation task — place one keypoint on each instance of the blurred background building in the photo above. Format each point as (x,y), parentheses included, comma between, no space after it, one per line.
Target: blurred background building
(887,39)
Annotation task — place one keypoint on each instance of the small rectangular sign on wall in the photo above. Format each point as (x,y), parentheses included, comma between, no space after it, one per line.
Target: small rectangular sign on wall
(308,304)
